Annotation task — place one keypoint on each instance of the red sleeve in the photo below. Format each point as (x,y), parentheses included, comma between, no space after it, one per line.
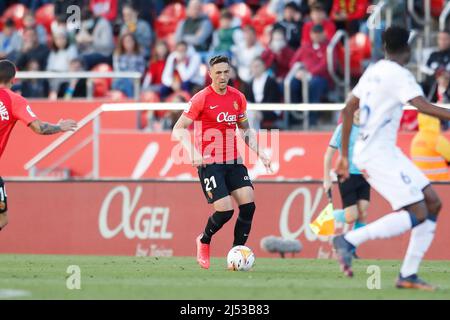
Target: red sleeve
(330,29)
(21,110)
(242,116)
(306,37)
(297,56)
(336,8)
(359,11)
(195,106)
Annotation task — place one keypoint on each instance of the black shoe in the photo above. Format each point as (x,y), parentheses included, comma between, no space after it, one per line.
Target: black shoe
(344,254)
(413,282)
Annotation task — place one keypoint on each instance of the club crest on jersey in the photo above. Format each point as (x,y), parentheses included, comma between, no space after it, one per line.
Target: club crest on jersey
(4,112)
(225,117)
(235,105)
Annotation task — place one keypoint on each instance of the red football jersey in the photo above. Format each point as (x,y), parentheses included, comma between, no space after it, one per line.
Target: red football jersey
(13,107)
(216,117)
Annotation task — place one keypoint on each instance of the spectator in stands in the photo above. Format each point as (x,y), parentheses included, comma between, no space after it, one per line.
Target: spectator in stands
(10,41)
(75,88)
(318,16)
(226,35)
(59,25)
(153,77)
(313,56)
(442,88)
(104,8)
(439,59)
(182,70)
(348,14)
(127,57)
(196,30)
(34,88)
(139,28)
(263,89)
(29,21)
(278,55)
(62,52)
(33,5)
(32,50)
(94,40)
(291,24)
(245,52)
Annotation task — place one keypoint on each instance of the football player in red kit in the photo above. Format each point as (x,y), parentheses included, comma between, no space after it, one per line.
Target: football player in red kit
(14,107)
(218,110)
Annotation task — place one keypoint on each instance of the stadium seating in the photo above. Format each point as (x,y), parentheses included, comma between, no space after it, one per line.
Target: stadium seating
(243,12)
(262,19)
(45,15)
(167,21)
(436,7)
(15,12)
(360,50)
(211,10)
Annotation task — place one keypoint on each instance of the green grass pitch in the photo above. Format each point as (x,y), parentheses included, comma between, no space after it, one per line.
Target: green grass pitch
(45,277)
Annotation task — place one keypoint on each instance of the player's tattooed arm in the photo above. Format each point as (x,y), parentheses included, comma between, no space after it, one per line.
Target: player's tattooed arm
(249,136)
(45,128)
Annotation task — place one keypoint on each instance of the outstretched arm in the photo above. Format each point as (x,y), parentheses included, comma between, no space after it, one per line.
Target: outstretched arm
(46,128)
(425,107)
(249,136)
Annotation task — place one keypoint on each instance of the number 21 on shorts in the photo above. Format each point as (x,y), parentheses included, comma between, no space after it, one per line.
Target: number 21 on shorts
(209,181)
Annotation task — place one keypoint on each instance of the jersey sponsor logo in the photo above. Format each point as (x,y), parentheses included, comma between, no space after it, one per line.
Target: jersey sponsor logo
(4,112)
(31,112)
(213,107)
(225,117)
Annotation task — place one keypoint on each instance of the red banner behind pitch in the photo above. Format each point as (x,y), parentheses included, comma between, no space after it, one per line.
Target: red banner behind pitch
(163,219)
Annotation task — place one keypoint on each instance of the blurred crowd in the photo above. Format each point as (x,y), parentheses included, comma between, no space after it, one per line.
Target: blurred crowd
(170,43)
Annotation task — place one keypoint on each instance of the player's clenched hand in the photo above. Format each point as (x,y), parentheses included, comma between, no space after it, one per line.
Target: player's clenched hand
(342,168)
(266,161)
(67,125)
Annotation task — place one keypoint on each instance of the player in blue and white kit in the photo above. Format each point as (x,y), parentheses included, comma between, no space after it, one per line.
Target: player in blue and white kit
(380,95)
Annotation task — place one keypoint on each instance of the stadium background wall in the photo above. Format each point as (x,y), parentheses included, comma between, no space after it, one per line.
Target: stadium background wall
(300,153)
(148,218)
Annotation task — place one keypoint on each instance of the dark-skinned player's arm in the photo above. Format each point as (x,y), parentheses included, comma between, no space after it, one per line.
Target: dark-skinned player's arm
(347,120)
(45,128)
(428,108)
(181,134)
(249,136)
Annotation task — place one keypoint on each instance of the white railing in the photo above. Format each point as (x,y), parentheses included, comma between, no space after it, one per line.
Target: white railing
(425,22)
(345,82)
(375,18)
(304,116)
(88,75)
(443,17)
(31,166)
